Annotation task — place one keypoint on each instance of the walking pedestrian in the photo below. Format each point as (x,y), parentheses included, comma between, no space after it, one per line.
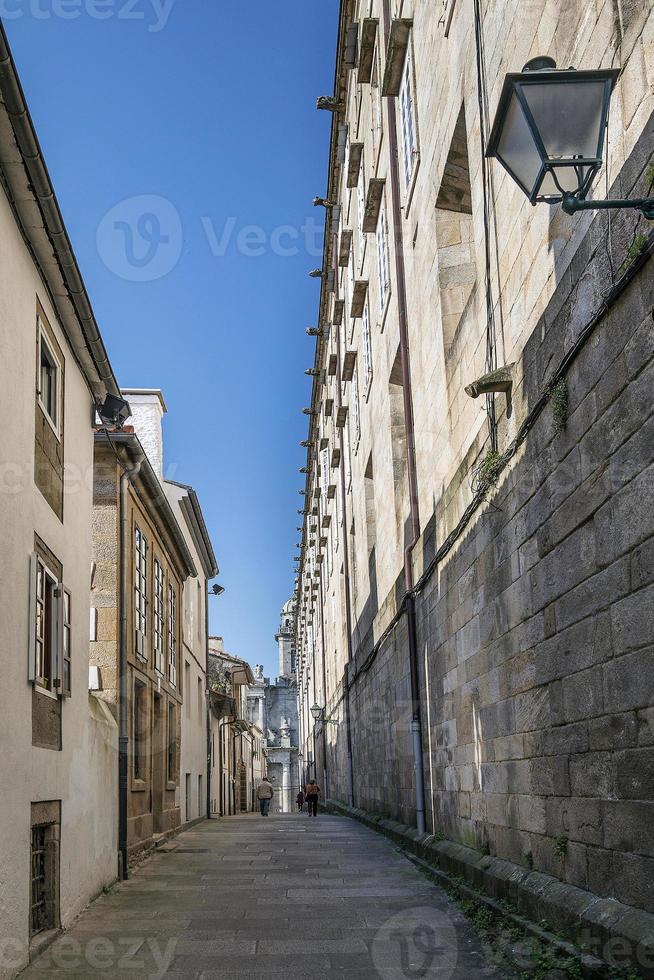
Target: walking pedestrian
(311,792)
(299,799)
(264,795)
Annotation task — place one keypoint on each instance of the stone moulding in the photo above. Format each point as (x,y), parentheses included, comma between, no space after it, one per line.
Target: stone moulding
(581,916)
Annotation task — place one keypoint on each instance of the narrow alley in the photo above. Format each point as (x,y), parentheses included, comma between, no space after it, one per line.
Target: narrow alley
(255,897)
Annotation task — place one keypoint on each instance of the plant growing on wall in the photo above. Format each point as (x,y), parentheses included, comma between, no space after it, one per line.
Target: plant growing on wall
(559,398)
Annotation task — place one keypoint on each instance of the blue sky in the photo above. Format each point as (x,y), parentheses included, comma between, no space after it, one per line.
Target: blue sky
(168,132)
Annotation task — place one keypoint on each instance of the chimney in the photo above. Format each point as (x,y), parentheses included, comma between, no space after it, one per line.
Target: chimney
(148,409)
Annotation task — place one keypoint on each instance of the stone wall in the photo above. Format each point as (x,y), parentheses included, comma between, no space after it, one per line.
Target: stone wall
(535,633)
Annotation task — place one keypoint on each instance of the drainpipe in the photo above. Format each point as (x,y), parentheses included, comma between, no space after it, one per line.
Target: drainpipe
(123,737)
(416,724)
(207,695)
(324,688)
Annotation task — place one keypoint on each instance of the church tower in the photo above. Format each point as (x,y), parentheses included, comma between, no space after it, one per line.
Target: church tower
(286,641)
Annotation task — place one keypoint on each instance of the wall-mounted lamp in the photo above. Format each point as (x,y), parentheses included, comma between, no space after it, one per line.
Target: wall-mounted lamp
(318,714)
(216,590)
(549,134)
(314,331)
(322,202)
(316,274)
(308,411)
(312,372)
(115,411)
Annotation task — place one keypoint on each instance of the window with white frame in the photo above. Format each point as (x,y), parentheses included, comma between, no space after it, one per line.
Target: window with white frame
(361,197)
(376,100)
(66,641)
(172,634)
(366,344)
(382,257)
(50,648)
(408,119)
(49,382)
(140,592)
(158,617)
(356,415)
(324,474)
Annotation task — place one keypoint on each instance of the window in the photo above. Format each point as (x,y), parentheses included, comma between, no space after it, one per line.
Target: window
(172,635)
(200,698)
(376,100)
(140,592)
(66,644)
(172,745)
(187,689)
(139,728)
(367,350)
(407,114)
(361,197)
(356,415)
(49,381)
(324,475)
(50,630)
(158,617)
(382,257)
(43,906)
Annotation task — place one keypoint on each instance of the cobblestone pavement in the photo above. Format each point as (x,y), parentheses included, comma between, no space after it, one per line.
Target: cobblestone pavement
(254,897)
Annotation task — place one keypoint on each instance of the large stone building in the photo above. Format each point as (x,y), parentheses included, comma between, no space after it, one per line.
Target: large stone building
(476,585)
(58,766)
(273,706)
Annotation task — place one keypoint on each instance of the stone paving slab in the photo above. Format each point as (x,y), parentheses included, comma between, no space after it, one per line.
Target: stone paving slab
(271,898)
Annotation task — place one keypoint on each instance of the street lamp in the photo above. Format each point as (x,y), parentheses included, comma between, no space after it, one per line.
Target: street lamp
(549,134)
(316,712)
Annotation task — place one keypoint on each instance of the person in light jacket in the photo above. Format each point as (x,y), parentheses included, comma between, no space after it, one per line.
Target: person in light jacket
(265,795)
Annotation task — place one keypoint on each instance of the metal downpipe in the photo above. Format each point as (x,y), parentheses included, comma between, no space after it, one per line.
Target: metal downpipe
(416,723)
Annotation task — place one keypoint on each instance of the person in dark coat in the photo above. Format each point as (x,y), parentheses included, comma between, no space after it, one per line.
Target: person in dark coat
(299,799)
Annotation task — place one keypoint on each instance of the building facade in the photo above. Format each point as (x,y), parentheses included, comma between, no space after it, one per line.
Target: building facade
(141,563)
(475,586)
(237,744)
(148,408)
(60,743)
(273,707)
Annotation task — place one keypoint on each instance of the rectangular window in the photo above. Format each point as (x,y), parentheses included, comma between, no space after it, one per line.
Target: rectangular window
(366,344)
(158,617)
(382,257)
(139,727)
(50,627)
(200,698)
(172,635)
(49,381)
(140,592)
(361,197)
(407,114)
(66,644)
(172,745)
(324,475)
(42,904)
(356,415)
(376,100)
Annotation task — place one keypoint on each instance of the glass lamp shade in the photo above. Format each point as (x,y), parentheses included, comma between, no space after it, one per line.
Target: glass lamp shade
(549,128)
(316,712)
